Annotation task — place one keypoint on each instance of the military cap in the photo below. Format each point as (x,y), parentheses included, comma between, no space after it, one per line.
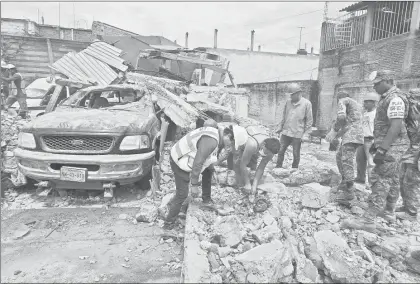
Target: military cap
(378,76)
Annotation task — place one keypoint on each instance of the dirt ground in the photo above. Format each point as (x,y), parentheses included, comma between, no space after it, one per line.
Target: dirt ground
(91,245)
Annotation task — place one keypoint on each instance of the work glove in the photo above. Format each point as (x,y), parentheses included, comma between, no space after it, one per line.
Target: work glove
(195,191)
(331,136)
(381,157)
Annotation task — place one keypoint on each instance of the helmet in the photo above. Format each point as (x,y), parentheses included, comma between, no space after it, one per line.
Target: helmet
(371,97)
(293,88)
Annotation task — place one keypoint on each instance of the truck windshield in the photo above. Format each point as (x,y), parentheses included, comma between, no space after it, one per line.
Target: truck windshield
(74,99)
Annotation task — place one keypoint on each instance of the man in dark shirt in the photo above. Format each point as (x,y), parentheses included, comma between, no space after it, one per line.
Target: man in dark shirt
(17,94)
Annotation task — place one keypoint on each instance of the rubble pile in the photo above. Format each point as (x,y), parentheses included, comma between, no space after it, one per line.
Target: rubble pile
(10,127)
(293,239)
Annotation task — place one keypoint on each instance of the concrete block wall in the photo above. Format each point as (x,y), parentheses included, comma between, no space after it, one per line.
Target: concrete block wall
(349,69)
(266,100)
(99,28)
(20,27)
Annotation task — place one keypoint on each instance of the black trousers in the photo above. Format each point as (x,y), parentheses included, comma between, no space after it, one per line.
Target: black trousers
(285,142)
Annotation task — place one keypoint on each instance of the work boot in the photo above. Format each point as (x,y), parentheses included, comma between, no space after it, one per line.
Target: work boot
(359,224)
(208,201)
(407,216)
(346,196)
(416,254)
(388,216)
(168,226)
(401,209)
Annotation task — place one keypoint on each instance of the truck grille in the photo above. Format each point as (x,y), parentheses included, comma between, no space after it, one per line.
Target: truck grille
(78,144)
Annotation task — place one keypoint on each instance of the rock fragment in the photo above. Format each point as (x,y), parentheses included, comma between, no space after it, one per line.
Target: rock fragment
(148,211)
(230,229)
(315,195)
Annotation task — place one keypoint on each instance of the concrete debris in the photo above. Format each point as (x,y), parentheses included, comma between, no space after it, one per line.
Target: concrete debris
(265,259)
(315,195)
(163,208)
(267,234)
(148,211)
(306,271)
(332,218)
(230,229)
(338,259)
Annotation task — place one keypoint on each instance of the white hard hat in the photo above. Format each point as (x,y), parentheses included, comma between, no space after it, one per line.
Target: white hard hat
(240,134)
(3,64)
(9,66)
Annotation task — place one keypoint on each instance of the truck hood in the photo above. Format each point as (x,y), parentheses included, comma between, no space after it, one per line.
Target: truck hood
(93,121)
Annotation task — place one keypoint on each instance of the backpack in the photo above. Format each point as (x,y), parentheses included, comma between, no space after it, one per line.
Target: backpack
(413,118)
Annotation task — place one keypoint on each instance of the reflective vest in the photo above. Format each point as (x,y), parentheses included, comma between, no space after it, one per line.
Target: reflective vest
(184,151)
(258,133)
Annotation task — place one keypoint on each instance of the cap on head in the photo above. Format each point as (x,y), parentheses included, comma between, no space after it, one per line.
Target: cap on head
(240,134)
(378,76)
(415,92)
(293,89)
(371,97)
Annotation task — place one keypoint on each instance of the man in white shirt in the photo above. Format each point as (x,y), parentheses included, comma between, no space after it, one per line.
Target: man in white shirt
(364,159)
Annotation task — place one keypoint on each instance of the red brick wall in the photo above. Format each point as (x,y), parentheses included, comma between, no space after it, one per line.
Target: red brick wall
(349,68)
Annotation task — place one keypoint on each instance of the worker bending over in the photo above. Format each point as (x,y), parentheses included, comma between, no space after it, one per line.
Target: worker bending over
(192,155)
(251,143)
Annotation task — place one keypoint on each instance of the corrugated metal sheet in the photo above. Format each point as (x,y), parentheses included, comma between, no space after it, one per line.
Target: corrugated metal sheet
(107,54)
(92,65)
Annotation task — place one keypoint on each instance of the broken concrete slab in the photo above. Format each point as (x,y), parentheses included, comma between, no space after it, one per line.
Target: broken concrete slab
(230,229)
(338,259)
(21,231)
(267,234)
(196,268)
(265,260)
(315,195)
(148,211)
(306,272)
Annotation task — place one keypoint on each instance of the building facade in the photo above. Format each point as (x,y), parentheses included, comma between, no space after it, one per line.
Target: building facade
(368,36)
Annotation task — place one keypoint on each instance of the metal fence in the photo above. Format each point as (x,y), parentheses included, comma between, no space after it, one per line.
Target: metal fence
(345,31)
(389,19)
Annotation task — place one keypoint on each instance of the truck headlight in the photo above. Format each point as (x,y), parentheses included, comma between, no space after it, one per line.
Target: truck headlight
(135,142)
(26,140)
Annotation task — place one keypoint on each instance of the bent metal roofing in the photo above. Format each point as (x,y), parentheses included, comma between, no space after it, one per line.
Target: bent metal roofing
(92,65)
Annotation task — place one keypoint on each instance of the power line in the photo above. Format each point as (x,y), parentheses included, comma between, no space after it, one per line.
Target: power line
(276,19)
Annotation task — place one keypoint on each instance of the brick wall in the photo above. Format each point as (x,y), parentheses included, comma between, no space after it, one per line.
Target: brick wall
(99,28)
(266,101)
(54,32)
(349,68)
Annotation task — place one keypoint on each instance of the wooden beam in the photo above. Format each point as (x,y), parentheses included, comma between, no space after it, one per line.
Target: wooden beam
(50,54)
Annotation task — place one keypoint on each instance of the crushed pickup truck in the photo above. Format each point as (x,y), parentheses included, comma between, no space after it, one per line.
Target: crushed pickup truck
(100,137)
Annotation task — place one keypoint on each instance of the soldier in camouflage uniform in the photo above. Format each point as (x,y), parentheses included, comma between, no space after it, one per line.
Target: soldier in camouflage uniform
(391,141)
(349,126)
(410,171)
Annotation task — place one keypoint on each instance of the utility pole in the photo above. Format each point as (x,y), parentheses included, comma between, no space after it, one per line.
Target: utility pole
(59,14)
(74,16)
(326,11)
(300,36)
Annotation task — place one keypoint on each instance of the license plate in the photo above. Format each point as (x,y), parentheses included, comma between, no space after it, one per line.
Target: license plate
(73,174)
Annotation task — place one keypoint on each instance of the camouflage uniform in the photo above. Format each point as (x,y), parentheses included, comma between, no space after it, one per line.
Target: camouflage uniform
(352,138)
(385,177)
(410,172)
